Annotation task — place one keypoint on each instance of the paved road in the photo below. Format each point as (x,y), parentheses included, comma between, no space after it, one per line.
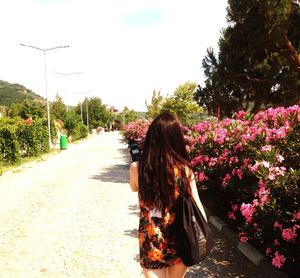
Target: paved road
(73,215)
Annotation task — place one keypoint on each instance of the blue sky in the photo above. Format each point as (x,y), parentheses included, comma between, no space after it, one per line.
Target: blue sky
(124,49)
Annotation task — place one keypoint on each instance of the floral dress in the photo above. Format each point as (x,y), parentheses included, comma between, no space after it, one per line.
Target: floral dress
(157,246)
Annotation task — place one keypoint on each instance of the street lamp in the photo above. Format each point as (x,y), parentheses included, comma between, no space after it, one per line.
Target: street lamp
(66,87)
(87,108)
(46,87)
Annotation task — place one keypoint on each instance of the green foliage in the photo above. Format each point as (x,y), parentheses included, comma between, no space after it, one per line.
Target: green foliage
(15,93)
(58,108)
(20,139)
(182,103)
(129,115)
(27,109)
(154,108)
(9,147)
(97,113)
(75,129)
(33,138)
(258,64)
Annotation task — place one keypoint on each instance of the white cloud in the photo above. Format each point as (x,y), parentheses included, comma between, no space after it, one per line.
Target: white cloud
(120,63)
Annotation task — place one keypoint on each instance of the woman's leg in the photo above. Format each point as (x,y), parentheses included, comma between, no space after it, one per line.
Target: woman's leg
(154,273)
(176,271)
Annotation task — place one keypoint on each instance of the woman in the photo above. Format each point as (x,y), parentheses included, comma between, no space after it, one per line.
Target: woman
(161,175)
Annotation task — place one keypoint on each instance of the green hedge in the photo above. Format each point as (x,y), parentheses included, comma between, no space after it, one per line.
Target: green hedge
(20,139)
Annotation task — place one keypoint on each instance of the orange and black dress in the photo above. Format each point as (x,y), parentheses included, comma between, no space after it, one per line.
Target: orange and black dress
(157,247)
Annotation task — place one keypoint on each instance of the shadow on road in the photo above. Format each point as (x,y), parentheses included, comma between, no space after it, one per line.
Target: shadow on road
(132,233)
(116,173)
(224,261)
(134,210)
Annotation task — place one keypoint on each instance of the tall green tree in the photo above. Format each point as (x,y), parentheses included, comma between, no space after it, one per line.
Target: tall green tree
(182,103)
(129,115)
(154,108)
(258,63)
(58,108)
(97,112)
(28,109)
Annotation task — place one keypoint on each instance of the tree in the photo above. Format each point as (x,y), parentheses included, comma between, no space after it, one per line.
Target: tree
(129,115)
(258,64)
(58,108)
(182,103)
(97,112)
(154,108)
(28,109)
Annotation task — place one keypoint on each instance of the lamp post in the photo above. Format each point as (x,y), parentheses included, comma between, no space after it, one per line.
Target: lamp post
(87,108)
(46,86)
(66,87)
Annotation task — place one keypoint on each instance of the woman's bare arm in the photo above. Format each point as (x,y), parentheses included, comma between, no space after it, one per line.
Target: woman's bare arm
(195,194)
(134,176)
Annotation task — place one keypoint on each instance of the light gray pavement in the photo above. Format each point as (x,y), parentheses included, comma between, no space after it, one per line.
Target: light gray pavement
(74,215)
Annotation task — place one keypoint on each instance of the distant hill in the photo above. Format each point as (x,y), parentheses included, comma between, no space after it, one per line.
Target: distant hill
(14,93)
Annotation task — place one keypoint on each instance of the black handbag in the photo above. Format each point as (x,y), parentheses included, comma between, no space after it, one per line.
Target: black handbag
(193,236)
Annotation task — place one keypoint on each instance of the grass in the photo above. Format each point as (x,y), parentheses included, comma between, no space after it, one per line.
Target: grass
(24,160)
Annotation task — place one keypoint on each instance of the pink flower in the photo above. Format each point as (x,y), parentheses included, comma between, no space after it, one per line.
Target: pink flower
(296,215)
(202,177)
(276,242)
(278,260)
(289,234)
(247,161)
(277,225)
(247,211)
(240,115)
(231,215)
(235,207)
(254,168)
(261,184)
(202,126)
(266,164)
(279,158)
(266,148)
(237,147)
(220,135)
(212,162)
(233,172)
(240,173)
(263,194)
(268,251)
(197,160)
(224,184)
(271,176)
(227,178)
(233,160)
(243,237)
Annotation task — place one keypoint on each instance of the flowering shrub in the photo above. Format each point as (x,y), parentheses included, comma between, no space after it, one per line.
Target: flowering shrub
(22,138)
(136,131)
(250,165)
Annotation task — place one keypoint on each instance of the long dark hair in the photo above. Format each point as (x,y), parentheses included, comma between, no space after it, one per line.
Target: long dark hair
(164,150)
